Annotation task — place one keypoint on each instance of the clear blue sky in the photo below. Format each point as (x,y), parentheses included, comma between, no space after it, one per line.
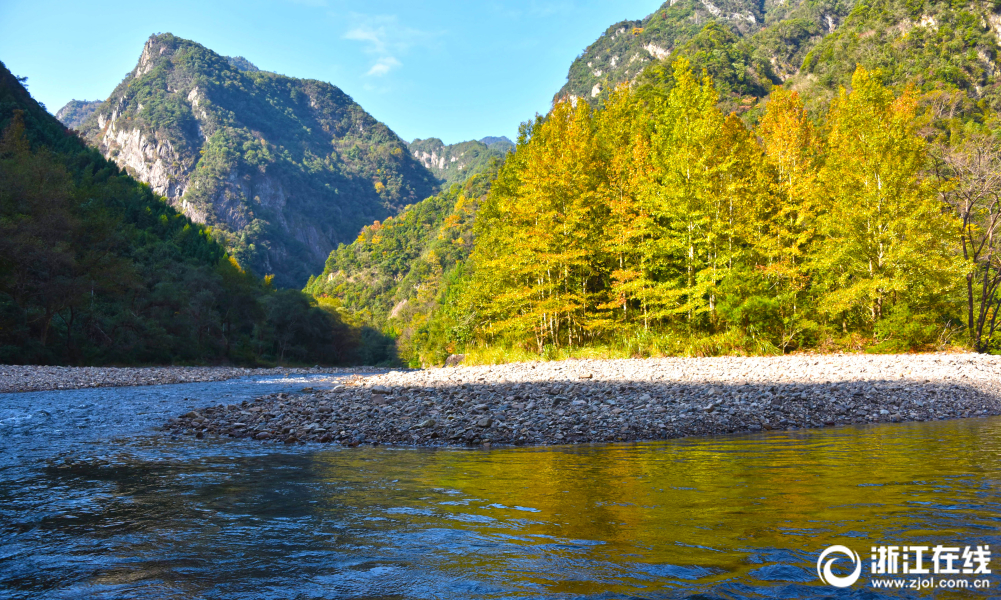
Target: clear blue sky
(453,70)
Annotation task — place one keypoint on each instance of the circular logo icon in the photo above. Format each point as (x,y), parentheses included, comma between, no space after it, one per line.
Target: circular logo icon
(829,577)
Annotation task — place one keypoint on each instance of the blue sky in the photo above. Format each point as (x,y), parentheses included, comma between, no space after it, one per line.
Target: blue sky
(453,70)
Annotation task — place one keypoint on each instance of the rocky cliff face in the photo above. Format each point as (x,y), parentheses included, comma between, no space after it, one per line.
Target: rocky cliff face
(151,160)
(282,169)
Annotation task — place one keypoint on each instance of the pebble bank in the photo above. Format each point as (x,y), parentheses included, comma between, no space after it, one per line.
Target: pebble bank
(14,378)
(584,401)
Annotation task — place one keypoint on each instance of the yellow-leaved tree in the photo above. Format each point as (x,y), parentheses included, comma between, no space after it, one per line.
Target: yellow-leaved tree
(886,262)
(696,192)
(769,295)
(541,235)
(624,136)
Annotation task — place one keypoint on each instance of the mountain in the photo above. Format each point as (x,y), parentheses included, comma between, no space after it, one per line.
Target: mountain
(627,47)
(281,169)
(454,163)
(810,45)
(949,52)
(745,45)
(498,143)
(76,112)
(97,269)
(238,62)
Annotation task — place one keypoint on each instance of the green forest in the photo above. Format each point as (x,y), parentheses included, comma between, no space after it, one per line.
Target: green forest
(819,177)
(659,225)
(96,269)
(401,275)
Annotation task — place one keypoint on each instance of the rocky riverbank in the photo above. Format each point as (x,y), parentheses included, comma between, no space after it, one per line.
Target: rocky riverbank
(36,378)
(614,400)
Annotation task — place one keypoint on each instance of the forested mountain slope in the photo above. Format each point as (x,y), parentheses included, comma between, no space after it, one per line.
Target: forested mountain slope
(399,273)
(95,268)
(746,45)
(499,143)
(281,169)
(947,51)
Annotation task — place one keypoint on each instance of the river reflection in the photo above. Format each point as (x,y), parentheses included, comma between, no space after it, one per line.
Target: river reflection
(729,517)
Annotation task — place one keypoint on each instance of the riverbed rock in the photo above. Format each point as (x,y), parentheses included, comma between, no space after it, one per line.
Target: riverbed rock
(548,403)
(33,378)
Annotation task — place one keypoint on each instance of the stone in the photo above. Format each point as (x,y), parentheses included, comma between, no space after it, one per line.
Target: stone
(454,360)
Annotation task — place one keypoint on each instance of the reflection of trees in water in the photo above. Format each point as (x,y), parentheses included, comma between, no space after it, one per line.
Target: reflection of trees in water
(691,513)
(607,517)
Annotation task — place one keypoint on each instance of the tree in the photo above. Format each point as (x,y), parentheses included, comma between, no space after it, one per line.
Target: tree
(543,231)
(972,171)
(886,248)
(774,298)
(625,144)
(683,197)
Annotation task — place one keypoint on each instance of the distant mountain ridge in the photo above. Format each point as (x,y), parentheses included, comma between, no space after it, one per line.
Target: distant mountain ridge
(76,112)
(282,169)
(501,143)
(455,163)
(242,64)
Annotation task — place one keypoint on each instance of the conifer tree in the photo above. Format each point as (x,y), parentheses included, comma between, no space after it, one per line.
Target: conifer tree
(682,196)
(625,142)
(548,231)
(770,295)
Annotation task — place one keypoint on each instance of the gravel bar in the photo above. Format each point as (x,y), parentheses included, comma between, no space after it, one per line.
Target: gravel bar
(37,378)
(584,401)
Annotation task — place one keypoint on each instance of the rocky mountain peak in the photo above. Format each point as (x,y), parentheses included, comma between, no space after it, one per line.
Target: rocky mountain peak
(283,169)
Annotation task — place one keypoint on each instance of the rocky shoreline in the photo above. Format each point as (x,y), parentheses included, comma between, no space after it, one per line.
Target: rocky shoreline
(15,378)
(586,401)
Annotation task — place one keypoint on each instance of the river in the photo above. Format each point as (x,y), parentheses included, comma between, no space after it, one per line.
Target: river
(96,503)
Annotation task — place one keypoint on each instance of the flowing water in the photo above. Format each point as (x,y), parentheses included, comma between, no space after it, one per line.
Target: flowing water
(95,503)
